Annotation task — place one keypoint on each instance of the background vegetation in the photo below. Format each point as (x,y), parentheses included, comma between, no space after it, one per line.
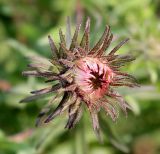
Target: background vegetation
(24,26)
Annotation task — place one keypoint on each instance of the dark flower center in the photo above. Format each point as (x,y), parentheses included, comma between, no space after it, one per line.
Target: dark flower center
(97,80)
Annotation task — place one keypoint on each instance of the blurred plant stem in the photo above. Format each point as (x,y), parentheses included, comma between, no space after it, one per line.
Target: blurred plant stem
(79,144)
(49,134)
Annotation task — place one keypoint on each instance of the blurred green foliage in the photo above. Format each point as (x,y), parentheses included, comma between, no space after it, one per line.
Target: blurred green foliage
(24,26)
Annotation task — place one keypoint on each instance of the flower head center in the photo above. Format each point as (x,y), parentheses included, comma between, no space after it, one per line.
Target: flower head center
(92,77)
(97,81)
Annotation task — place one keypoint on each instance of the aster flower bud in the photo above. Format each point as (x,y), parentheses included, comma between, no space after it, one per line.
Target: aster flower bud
(84,75)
